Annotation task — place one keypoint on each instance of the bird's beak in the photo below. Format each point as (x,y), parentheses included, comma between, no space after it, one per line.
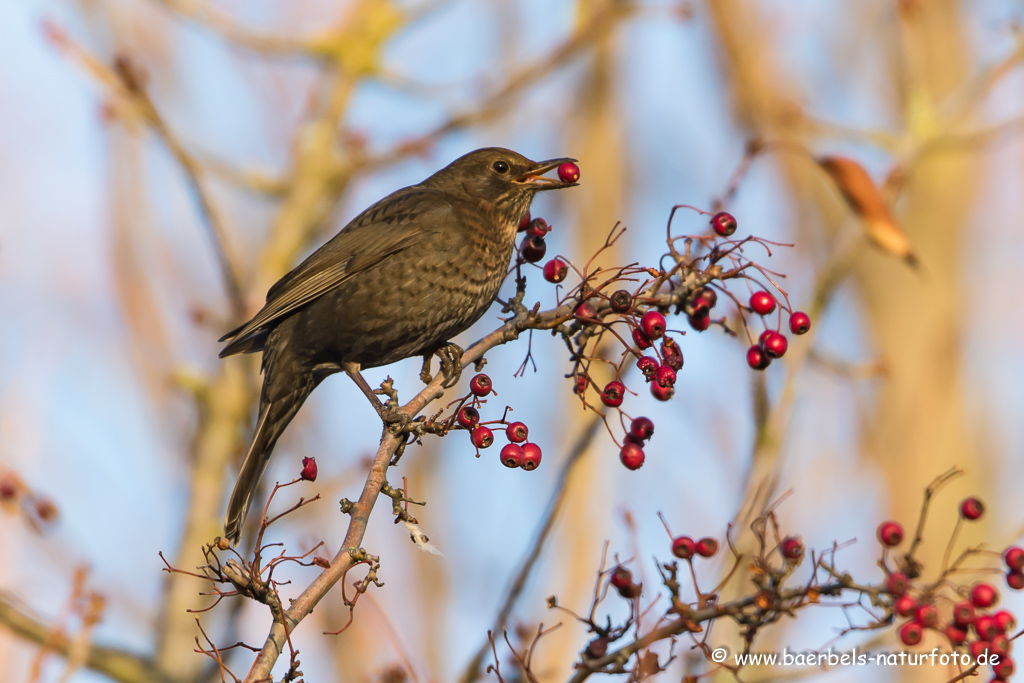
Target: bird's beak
(535,176)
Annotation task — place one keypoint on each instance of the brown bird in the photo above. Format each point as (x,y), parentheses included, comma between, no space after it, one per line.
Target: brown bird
(405,276)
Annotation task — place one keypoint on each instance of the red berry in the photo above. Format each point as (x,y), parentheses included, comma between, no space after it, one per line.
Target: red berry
(897,584)
(709,295)
(1000,645)
(531,456)
(568,172)
(621,578)
(972,509)
(641,340)
(984,595)
(642,427)
(517,432)
(723,223)
(764,335)
(672,354)
(1005,620)
(308,469)
(648,366)
(911,633)
(632,456)
(926,615)
(1014,557)
(1015,579)
(963,613)
(775,344)
(662,393)
(792,548)
(621,301)
(538,228)
(699,307)
(653,324)
(556,270)
(524,221)
(904,605)
(707,547)
(586,312)
(890,533)
(799,323)
(482,437)
(580,384)
(979,648)
(956,635)
(10,485)
(468,417)
(762,303)
(699,322)
(613,394)
(683,547)
(534,248)
(757,358)
(986,627)
(512,455)
(1004,668)
(665,376)
(480,385)
(630,437)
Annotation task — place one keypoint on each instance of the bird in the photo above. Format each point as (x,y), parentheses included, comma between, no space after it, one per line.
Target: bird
(401,279)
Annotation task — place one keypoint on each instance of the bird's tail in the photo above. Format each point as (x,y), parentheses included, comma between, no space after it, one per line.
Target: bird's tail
(274,417)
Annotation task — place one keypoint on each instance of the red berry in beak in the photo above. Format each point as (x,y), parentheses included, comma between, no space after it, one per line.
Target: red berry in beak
(308,469)
(569,172)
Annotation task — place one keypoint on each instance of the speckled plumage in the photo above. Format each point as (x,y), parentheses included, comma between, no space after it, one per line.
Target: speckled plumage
(405,276)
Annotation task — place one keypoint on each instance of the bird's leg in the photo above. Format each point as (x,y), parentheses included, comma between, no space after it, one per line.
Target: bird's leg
(425,375)
(451,363)
(387,415)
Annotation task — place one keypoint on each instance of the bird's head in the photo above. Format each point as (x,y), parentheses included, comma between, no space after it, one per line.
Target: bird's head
(500,177)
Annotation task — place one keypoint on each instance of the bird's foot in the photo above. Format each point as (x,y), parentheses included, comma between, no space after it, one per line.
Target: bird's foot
(451,364)
(425,375)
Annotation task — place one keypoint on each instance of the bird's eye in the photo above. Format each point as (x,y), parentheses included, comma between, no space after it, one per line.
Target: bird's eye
(500,167)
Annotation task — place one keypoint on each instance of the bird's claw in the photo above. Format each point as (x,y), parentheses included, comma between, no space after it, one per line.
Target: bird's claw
(451,364)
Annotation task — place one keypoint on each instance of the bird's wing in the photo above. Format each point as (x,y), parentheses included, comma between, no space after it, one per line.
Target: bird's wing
(392,225)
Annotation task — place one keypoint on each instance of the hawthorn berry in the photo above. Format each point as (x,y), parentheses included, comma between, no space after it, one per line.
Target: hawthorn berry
(699,307)
(586,312)
(662,393)
(621,578)
(517,432)
(641,340)
(762,303)
(986,627)
(890,533)
(512,455)
(792,548)
(983,595)
(926,615)
(1004,669)
(630,437)
(1005,620)
(653,324)
(707,547)
(665,376)
(723,223)
(1015,579)
(534,248)
(672,354)
(1014,557)
(568,172)
(972,509)
(904,605)
(775,344)
(911,633)
(648,366)
(956,635)
(482,437)
(709,295)
(683,547)
(632,456)
(621,301)
(556,270)
(1000,645)
(597,648)
(897,583)
(531,456)
(613,394)
(642,427)
(308,469)
(699,322)
(524,222)
(468,417)
(799,323)
(757,358)
(480,385)
(979,648)
(538,228)
(963,613)
(9,484)
(580,384)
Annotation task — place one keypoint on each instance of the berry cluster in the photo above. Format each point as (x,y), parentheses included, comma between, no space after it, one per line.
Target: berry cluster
(518,452)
